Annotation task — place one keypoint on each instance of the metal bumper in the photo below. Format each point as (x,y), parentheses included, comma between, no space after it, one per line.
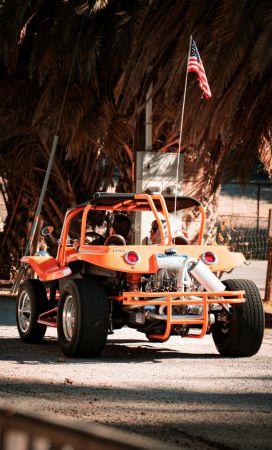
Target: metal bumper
(170,299)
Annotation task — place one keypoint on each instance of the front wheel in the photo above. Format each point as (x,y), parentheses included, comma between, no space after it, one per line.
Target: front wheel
(242,332)
(31,302)
(83,318)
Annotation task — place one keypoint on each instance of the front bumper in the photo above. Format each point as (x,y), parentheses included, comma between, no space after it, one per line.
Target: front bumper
(170,299)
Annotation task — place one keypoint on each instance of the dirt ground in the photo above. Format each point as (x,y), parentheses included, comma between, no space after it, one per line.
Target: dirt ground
(180,392)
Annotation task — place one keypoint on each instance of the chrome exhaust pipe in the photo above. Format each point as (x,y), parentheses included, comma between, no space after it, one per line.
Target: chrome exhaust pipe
(151,315)
(205,276)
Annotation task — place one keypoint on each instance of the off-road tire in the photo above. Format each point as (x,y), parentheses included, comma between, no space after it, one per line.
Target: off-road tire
(244,334)
(91,318)
(32,297)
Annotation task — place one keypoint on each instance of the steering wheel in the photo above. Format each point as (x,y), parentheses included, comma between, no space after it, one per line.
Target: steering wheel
(115,239)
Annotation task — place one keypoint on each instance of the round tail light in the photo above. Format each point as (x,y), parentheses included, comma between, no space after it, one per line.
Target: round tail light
(132,257)
(209,258)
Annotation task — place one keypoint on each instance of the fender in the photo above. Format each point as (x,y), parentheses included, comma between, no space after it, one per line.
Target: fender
(46,267)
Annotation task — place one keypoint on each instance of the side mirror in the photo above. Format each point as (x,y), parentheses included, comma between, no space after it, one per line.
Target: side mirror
(46,231)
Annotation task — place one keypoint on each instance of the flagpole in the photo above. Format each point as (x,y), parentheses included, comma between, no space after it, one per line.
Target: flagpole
(181,124)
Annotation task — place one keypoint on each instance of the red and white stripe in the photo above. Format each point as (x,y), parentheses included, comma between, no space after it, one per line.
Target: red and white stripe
(197,66)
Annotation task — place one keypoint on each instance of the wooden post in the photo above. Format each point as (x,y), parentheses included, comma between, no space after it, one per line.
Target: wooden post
(12,217)
(268,287)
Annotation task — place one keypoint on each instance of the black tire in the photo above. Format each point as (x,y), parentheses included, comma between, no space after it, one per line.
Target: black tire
(31,302)
(243,335)
(84,335)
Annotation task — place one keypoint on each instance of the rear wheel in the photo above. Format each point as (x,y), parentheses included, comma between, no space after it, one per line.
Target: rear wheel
(31,302)
(242,333)
(83,318)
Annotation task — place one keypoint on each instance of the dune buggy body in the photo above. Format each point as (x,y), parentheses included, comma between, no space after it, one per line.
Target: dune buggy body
(161,290)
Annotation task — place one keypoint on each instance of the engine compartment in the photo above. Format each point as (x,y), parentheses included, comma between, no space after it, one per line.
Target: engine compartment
(180,275)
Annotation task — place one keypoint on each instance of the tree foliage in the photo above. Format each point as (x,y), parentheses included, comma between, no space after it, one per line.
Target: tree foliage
(82,69)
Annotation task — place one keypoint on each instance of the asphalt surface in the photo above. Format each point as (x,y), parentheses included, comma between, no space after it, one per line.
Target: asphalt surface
(180,392)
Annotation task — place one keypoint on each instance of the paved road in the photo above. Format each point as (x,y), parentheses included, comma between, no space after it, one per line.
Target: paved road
(180,392)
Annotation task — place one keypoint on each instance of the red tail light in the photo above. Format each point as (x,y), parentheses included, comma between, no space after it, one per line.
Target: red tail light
(209,258)
(132,257)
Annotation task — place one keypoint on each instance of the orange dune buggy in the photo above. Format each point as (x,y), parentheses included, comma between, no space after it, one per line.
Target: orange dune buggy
(160,290)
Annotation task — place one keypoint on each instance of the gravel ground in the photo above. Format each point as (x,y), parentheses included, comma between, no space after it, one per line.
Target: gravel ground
(180,392)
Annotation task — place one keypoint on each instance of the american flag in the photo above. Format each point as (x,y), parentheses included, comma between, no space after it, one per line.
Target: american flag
(195,65)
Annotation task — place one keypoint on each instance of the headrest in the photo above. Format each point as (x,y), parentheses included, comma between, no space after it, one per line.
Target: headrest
(180,240)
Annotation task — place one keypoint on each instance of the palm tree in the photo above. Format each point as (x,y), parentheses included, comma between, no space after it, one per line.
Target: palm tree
(101,57)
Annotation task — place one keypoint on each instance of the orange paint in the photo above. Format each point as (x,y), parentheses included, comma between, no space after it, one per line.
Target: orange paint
(114,258)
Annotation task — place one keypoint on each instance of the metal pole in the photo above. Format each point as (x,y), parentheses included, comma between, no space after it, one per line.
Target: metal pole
(41,199)
(181,123)
(140,159)
(258,205)
(268,285)
(148,119)
(138,155)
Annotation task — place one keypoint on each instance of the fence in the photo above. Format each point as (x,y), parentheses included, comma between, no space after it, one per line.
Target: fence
(251,240)
(28,432)
(247,239)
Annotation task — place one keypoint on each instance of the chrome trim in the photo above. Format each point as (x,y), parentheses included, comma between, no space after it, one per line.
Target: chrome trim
(69,317)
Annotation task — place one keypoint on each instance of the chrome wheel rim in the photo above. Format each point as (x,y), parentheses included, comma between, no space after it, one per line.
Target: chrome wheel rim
(69,317)
(24,311)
